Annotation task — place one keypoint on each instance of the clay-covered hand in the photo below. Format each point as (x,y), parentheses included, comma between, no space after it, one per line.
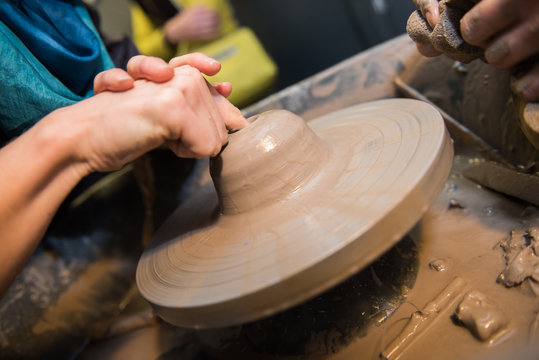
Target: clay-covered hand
(508,30)
(185,113)
(157,70)
(193,23)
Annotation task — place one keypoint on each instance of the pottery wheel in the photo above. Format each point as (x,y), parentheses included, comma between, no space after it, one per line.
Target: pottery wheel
(294,209)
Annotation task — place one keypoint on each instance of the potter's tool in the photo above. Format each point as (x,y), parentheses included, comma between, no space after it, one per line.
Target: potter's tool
(507,181)
(296,209)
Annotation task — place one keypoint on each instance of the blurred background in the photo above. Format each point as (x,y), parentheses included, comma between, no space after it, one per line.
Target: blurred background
(302,36)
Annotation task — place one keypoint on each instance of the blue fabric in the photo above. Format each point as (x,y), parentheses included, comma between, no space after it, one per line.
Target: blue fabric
(53,32)
(32,84)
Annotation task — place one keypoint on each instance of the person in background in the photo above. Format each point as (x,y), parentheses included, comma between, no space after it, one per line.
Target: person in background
(508,30)
(166,28)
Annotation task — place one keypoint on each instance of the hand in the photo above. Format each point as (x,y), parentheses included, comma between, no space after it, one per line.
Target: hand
(186,113)
(193,23)
(156,70)
(508,30)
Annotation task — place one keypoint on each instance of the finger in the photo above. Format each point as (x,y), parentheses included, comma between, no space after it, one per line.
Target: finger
(427,49)
(150,68)
(486,19)
(112,80)
(231,115)
(430,10)
(514,46)
(527,87)
(180,150)
(200,61)
(223,88)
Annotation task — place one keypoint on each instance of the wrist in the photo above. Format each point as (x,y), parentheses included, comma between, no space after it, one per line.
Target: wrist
(60,135)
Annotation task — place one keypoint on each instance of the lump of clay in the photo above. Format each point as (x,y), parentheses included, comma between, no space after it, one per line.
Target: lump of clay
(481,316)
(445,36)
(522,260)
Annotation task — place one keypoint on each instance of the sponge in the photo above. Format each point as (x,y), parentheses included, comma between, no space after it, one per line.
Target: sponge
(445,37)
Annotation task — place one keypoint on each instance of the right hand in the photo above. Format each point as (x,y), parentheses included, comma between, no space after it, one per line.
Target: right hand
(192,23)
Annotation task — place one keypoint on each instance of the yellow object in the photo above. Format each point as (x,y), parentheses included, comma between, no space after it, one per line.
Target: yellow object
(245,63)
(150,39)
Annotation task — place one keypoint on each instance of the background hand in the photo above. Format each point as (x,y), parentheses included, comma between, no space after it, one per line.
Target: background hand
(193,23)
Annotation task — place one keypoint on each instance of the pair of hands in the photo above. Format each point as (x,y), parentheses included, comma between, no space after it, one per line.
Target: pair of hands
(152,104)
(508,30)
(192,23)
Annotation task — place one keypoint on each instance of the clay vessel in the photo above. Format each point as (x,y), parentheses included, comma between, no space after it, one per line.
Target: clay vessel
(295,209)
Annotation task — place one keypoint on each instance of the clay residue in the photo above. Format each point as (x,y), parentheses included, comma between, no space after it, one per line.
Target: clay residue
(522,260)
(420,321)
(481,316)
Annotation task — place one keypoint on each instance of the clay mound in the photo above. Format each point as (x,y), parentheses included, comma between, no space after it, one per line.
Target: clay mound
(445,36)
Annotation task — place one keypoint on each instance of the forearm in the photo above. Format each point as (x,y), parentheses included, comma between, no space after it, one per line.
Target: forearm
(38,172)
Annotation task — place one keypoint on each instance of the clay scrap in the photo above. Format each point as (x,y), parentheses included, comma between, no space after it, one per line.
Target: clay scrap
(521,251)
(446,36)
(481,316)
(421,320)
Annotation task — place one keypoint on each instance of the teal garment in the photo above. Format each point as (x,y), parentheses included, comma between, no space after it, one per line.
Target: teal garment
(28,90)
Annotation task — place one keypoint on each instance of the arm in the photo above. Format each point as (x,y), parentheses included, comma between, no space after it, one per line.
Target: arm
(101,133)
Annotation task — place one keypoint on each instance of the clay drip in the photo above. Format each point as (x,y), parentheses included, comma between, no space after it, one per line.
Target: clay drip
(291,154)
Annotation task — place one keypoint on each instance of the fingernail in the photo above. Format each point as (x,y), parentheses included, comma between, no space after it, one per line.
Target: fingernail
(124,78)
(467,26)
(497,52)
(161,65)
(522,88)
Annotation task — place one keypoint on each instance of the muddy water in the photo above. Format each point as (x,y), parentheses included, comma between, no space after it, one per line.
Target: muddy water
(462,237)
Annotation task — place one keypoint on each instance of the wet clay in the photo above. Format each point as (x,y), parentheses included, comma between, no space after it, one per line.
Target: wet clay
(522,261)
(445,37)
(474,241)
(481,315)
(296,209)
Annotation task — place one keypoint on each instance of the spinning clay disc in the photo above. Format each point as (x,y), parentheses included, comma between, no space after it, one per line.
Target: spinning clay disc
(294,209)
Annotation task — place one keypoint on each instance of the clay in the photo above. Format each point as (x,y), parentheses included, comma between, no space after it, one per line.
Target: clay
(438,265)
(468,239)
(481,316)
(421,320)
(297,209)
(445,37)
(522,262)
